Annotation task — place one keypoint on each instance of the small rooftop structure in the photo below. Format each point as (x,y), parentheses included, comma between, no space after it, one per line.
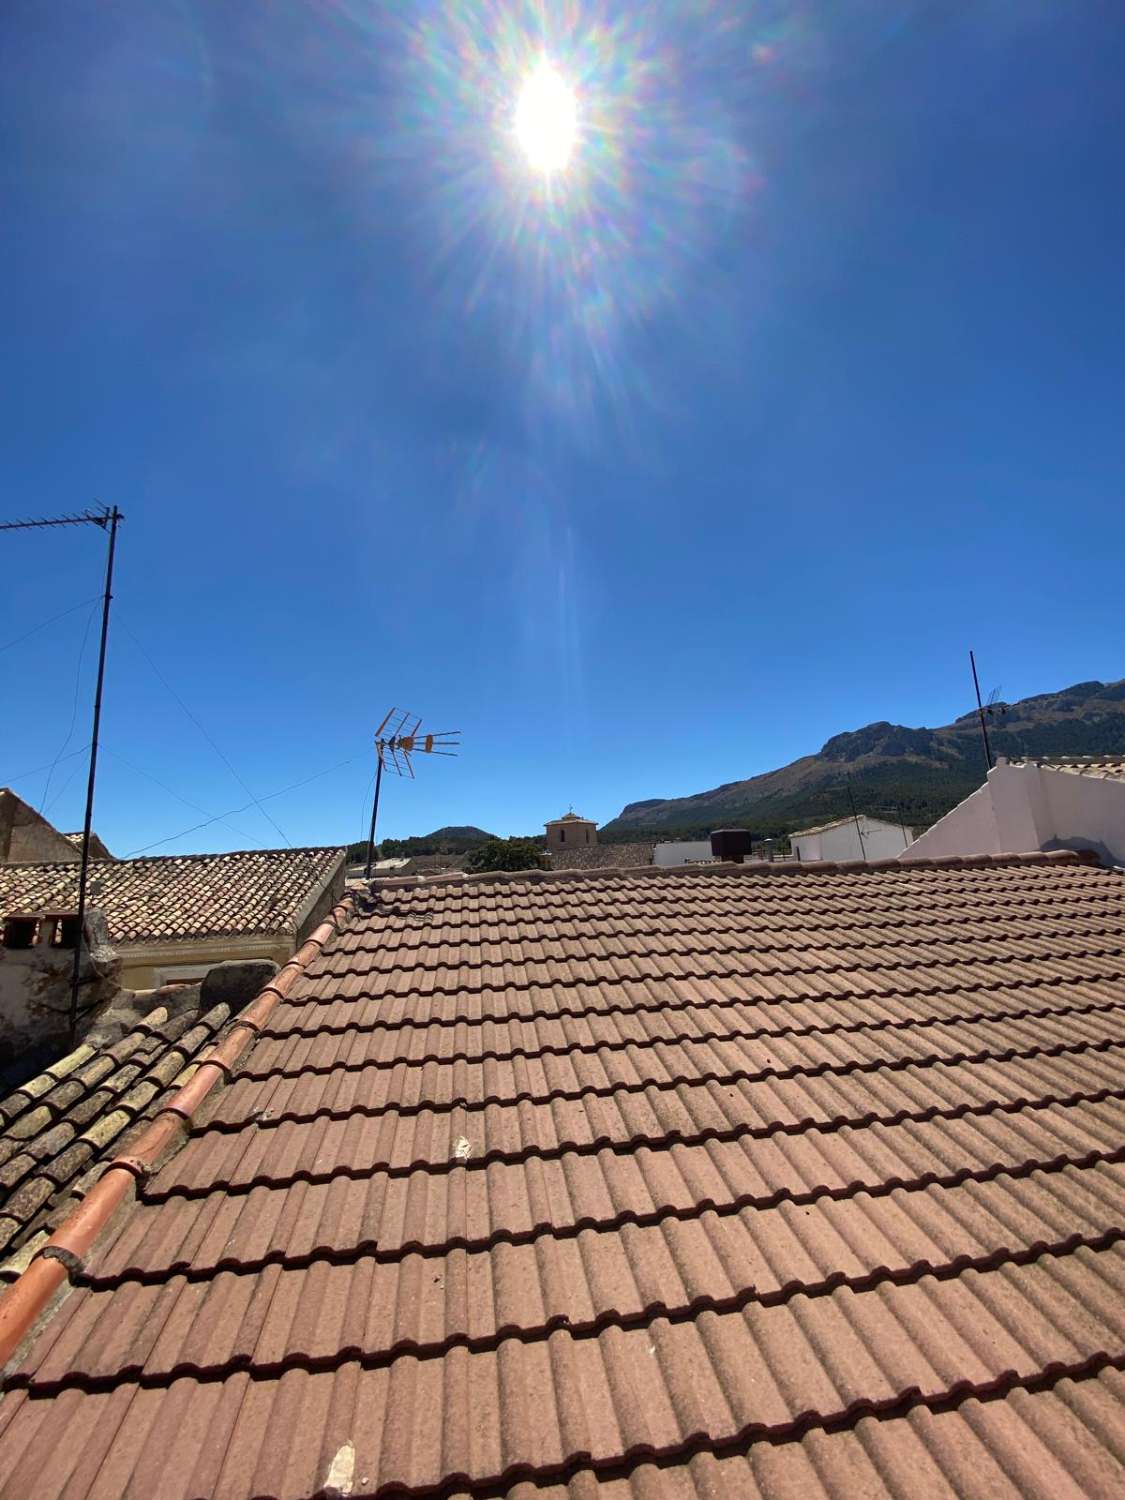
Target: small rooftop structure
(853,837)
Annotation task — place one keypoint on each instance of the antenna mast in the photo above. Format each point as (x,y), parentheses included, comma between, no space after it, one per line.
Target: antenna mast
(108,520)
(396,750)
(980,712)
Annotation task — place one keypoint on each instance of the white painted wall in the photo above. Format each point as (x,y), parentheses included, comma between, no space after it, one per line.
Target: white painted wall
(969,829)
(1023,808)
(686,851)
(874,839)
(1087,812)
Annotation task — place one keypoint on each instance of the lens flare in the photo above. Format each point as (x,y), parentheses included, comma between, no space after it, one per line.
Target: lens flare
(574,166)
(546,119)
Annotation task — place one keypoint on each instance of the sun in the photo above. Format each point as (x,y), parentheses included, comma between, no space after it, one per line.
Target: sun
(546,119)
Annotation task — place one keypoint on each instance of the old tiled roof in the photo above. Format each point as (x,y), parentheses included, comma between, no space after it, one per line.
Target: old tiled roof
(180,896)
(603,856)
(57,1126)
(98,850)
(1112,766)
(721,1182)
(801,833)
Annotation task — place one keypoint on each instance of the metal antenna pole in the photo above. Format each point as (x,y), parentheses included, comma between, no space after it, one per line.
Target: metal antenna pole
(855,815)
(980,711)
(109,520)
(404,741)
(374,815)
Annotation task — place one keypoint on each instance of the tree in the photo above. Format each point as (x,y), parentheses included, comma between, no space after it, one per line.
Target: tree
(503,854)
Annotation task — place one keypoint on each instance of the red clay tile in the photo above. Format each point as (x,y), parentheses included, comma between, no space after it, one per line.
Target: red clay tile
(643,1186)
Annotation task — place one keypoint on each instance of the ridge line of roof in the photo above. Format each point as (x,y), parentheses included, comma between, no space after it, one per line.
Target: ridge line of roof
(32,1294)
(779,869)
(152,859)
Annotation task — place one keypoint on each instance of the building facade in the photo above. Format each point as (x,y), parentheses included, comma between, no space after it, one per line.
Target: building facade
(570,832)
(176,917)
(27,837)
(852,838)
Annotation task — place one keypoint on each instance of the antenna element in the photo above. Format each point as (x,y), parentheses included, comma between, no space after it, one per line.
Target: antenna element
(397,740)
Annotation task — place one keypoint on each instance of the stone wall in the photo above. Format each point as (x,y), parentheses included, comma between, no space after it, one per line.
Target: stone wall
(566,834)
(36,965)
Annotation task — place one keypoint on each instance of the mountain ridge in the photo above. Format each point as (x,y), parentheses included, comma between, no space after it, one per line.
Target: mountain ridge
(916,774)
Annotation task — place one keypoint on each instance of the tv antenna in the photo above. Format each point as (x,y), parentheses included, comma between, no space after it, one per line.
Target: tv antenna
(398,740)
(994,705)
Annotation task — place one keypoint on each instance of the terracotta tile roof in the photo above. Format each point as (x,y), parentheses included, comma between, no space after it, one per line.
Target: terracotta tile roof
(603,856)
(57,1126)
(180,896)
(718,1182)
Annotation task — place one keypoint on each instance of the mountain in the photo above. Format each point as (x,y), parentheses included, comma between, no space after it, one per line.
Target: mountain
(893,771)
(451,840)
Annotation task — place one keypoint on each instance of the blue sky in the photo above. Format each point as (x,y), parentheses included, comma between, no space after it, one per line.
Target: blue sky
(804,378)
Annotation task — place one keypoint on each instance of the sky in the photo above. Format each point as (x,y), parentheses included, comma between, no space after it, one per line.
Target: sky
(804,376)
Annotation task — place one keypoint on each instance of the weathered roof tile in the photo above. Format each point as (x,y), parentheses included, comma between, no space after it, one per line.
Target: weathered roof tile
(681,1185)
(180,896)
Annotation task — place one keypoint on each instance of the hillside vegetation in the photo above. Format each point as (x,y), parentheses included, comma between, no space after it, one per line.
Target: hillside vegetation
(452,840)
(892,771)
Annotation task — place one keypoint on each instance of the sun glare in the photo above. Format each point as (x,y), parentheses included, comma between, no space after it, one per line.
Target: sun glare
(546,120)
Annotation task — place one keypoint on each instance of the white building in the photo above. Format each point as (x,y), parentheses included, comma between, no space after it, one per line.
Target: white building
(1078,803)
(683,852)
(852,838)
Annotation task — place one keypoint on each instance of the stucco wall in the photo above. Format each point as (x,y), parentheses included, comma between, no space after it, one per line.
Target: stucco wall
(147,966)
(880,841)
(1086,812)
(680,853)
(27,838)
(1023,808)
(807,848)
(969,829)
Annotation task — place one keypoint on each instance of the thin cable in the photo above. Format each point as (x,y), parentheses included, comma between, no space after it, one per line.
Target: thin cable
(256,801)
(74,706)
(234,811)
(195,807)
(35,629)
(74,770)
(27,775)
